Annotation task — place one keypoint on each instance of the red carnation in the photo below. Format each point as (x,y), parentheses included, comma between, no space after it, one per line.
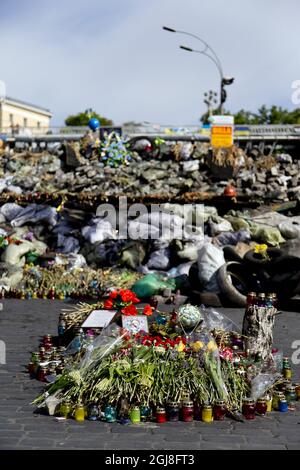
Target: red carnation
(113,294)
(108,304)
(147,310)
(129,310)
(128,296)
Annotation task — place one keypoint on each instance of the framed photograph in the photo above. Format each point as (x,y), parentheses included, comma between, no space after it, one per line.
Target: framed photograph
(135,324)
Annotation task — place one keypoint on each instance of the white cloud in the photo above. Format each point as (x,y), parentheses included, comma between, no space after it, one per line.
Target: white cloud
(113,55)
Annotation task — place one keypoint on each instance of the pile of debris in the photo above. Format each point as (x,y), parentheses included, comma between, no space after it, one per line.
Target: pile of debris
(171,241)
(164,169)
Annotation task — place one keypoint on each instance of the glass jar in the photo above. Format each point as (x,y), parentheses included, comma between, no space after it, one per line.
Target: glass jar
(286,362)
(59,369)
(135,415)
(276,398)
(248,408)
(290,394)
(65,409)
(268,400)
(31,368)
(251,299)
(185,396)
(160,415)
(110,413)
(41,376)
(51,293)
(187,411)
(207,413)
(35,357)
(61,328)
(197,412)
(269,301)
(93,412)
(79,413)
(145,411)
(237,341)
(261,300)
(287,373)
(261,407)
(283,405)
(219,410)
(47,342)
(297,389)
(173,411)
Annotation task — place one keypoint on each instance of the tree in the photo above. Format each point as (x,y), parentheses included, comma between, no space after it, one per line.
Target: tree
(82,119)
(264,115)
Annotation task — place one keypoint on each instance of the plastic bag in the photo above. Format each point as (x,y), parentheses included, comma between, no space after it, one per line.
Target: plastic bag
(106,343)
(151,285)
(219,321)
(261,383)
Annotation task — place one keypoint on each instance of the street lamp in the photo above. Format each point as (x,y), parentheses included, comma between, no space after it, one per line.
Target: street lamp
(211,54)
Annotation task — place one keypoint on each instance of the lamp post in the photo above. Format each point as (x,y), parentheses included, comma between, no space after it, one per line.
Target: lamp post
(209,52)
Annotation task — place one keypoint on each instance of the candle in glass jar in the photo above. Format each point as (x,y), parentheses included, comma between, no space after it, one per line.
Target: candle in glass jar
(287,373)
(79,413)
(145,412)
(135,415)
(160,414)
(290,394)
(207,413)
(268,399)
(197,411)
(65,408)
(172,411)
(41,376)
(187,411)
(248,408)
(297,389)
(283,405)
(219,410)
(261,407)
(110,413)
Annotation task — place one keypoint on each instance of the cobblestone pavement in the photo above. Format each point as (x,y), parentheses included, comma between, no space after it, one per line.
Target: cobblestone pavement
(21,325)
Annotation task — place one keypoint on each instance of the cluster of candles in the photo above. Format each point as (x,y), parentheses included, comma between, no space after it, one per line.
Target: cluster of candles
(52,294)
(186,410)
(262,300)
(49,360)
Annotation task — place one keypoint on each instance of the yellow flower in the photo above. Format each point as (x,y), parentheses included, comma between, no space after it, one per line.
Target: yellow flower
(261,249)
(180,347)
(197,346)
(211,346)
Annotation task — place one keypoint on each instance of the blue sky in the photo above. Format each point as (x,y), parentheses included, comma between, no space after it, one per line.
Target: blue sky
(113,56)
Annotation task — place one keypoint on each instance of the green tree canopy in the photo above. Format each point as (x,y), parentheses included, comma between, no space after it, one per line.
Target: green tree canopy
(264,115)
(82,119)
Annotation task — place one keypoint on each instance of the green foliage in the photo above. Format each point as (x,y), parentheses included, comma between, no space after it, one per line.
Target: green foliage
(82,119)
(264,115)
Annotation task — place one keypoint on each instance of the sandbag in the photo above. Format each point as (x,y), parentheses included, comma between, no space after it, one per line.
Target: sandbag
(152,284)
(98,231)
(159,259)
(210,259)
(269,235)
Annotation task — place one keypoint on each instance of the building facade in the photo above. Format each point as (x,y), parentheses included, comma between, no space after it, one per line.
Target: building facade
(16,115)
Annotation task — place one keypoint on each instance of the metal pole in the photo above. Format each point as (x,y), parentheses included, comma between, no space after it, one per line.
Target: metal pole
(221,90)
